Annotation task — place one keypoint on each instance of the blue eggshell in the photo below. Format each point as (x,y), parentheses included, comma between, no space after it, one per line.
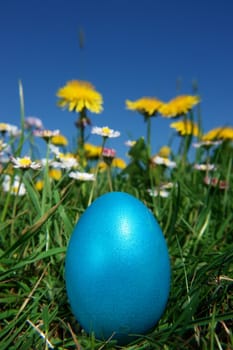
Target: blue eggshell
(117,268)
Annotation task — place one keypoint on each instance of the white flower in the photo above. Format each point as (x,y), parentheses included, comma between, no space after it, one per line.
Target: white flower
(158,192)
(204,167)
(14,186)
(3,146)
(33,122)
(14,131)
(82,176)
(163,161)
(25,163)
(105,131)
(46,134)
(207,143)
(130,143)
(54,149)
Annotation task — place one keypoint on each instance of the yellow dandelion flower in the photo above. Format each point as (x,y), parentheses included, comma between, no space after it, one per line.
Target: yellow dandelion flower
(148,106)
(92,151)
(179,105)
(55,174)
(164,152)
(39,185)
(78,95)
(102,166)
(59,140)
(119,163)
(220,133)
(185,127)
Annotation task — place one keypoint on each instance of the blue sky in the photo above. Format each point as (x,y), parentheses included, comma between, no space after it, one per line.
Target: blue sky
(131,49)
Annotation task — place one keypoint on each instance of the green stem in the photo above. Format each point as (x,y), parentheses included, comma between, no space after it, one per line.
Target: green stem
(96,172)
(109,178)
(148,120)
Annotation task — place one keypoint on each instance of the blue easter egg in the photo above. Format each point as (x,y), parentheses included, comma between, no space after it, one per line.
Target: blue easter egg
(117,268)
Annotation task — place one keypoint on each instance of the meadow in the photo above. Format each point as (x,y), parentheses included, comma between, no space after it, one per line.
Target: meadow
(42,199)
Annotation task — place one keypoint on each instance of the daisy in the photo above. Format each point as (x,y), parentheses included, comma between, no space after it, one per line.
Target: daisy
(65,161)
(15,187)
(25,163)
(105,132)
(158,193)
(33,122)
(109,152)
(46,134)
(130,143)
(163,161)
(204,167)
(207,143)
(82,176)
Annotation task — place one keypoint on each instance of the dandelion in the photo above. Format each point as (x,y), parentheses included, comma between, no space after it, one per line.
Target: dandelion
(59,140)
(82,176)
(78,95)
(220,133)
(164,152)
(39,185)
(178,106)
(55,174)
(185,127)
(25,163)
(147,106)
(92,151)
(105,131)
(118,163)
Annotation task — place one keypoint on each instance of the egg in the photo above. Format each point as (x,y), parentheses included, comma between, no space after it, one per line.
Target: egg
(117,268)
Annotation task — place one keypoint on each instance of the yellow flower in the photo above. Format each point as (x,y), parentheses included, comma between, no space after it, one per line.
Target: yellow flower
(92,151)
(185,127)
(39,185)
(119,163)
(55,174)
(148,106)
(220,133)
(179,105)
(164,152)
(78,95)
(59,140)
(102,166)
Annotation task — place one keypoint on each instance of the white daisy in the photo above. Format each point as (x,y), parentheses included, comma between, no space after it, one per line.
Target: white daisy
(105,131)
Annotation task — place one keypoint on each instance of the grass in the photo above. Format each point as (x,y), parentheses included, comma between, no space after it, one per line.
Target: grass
(197,223)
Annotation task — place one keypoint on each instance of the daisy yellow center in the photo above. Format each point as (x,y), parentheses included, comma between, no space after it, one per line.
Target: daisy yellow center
(25,162)
(3,127)
(106,130)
